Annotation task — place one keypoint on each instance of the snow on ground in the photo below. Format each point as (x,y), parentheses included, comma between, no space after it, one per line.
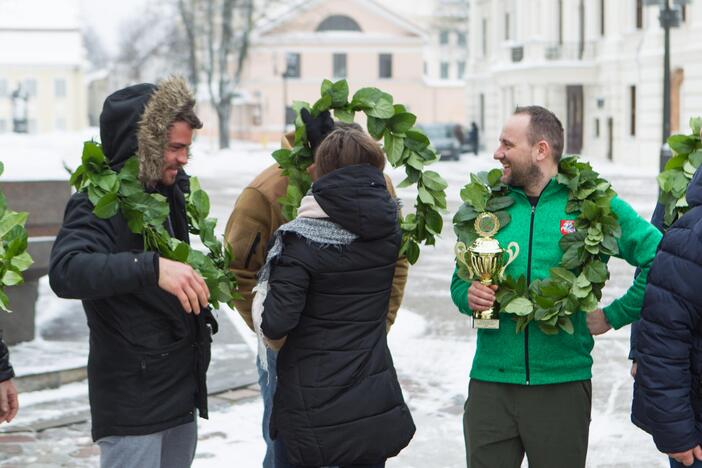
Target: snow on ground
(432,344)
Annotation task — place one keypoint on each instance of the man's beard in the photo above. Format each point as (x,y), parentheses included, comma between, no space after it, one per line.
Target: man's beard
(525,177)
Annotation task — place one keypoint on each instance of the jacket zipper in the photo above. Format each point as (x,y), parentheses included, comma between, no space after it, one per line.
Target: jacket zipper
(253,249)
(526,330)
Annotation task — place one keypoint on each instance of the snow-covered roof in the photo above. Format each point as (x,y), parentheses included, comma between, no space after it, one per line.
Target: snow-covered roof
(40,32)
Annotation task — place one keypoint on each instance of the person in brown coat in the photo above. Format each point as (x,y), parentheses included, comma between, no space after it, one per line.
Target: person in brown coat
(256,216)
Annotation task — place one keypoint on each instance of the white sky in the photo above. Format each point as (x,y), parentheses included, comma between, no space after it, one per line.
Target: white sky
(106,16)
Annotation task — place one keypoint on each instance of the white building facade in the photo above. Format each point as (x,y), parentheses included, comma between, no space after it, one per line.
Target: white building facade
(598,64)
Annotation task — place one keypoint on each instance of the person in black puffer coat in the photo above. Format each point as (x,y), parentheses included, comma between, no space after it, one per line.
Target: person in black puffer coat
(150,325)
(338,400)
(668,391)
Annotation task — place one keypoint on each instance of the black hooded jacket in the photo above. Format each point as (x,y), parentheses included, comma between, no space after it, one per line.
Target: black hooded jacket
(338,400)
(148,357)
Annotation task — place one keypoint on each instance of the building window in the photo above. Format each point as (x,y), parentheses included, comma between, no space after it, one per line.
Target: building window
(632,110)
(597,128)
(602,17)
(443,37)
(461,69)
(444,70)
(59,88)
(385,66)
(639,14)
(484,37)
(338,23)
(3,88)
(290,115)
(482,111)
(30,86)
(340,66)
(292,62)
(507,27)
(461,39)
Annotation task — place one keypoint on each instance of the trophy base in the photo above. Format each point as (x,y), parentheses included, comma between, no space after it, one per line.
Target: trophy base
(490,324)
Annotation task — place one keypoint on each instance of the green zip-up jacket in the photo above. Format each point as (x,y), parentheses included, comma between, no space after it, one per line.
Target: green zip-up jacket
(532,357)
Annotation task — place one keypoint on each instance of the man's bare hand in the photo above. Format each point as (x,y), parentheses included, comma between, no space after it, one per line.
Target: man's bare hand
(688,457)
(9,404)
(184,283)
(633,369)
(597,322)
(481,297)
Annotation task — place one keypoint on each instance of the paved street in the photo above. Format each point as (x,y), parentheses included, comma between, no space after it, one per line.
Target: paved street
(432,347)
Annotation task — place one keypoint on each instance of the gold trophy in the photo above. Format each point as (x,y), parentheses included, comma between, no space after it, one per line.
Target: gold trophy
(484,261)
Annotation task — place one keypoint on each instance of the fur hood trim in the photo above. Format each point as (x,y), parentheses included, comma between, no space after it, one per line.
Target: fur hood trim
(171,97)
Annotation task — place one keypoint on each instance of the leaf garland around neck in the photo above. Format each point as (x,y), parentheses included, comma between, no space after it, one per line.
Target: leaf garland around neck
(146,214)
(14,258)
(404,145)
(678,172)
(576,283)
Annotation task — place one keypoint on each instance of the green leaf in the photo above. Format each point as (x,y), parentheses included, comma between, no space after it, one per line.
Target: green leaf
(376,127)
(22,261)
(181,252)
(520,306)
(93,158)
(344,115)
(201,202)
(682,143)
(401,122)
(563,274)
(548,329)
(382,109)
(412,252)
(107,207)
(326,87)
(499,203)
(416,140)
(425,196)
(465,213)
(596,271)
(11,278)
(322,104)
(340,93)
(434,222)
(494,177)
(434,181)
(11,219)
(695,158)
(696,125)
(394,147)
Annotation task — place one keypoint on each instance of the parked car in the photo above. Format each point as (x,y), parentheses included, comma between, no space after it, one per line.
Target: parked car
(443,139)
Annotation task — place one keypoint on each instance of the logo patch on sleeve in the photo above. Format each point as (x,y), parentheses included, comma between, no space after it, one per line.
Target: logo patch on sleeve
(567,226)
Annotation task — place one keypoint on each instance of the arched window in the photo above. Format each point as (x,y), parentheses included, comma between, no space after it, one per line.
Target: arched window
(338,23)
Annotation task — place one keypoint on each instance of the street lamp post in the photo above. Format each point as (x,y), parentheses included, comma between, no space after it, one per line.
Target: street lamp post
(669,18)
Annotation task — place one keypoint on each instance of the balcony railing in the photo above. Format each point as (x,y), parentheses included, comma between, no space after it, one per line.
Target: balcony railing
(570,51)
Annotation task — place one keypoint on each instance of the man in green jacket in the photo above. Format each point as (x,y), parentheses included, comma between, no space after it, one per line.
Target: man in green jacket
(530,392)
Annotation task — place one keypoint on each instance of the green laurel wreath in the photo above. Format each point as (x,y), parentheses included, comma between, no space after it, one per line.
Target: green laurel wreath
(14,258)
(576,284)
(673,181)
(404,145)
(146,214)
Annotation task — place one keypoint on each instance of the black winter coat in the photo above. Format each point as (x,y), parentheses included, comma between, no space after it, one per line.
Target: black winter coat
(6,371)
(668,391)
(148,357)
(338,400)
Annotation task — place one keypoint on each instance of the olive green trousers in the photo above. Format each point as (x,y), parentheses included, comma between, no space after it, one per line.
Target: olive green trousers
(548,423)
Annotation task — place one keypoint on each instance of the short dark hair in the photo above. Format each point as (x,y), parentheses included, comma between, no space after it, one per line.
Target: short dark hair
(189,116)
(544,125)
(346,146)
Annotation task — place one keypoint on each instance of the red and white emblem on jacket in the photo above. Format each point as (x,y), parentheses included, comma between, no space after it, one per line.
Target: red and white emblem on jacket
(567,226)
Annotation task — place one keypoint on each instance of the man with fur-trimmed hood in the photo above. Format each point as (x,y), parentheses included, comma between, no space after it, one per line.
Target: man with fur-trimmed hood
(150,325)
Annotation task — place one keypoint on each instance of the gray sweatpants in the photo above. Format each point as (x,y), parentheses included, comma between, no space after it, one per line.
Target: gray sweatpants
(172,448)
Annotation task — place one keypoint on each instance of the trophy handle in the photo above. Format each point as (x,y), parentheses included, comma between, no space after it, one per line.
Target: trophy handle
(512,255)
(460,251)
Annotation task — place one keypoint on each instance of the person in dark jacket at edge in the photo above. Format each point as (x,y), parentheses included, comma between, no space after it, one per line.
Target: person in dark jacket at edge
(149,320)
(9,404)
(326,286)
(668,390)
